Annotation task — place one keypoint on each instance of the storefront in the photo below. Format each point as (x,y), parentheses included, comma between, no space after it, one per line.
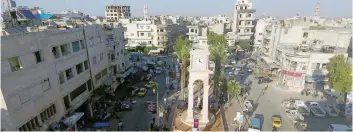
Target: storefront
(293,80)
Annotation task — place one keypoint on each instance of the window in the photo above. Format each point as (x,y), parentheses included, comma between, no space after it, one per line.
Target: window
(195,30)
(141,27)
(65,50)
(78,91)
(55,51)
(83,46)
(67,102)
(85,64)
(61,77)
(249,23)
(240,15)
(48,113)
(132,34)
(149,42)
(98,76)
(39,56)
(25,96)
(203,42)
(75,46)
(149,34)
(101,56)
(79,68)
(94,60)
(191,37)
(31,125)
(259,40)
(142,34)
(69,74)
(305,35)
(104,72)
(123,65)
(260,33)
(161,30)
(15,63)
(303,42)
(249,15)
(324,65)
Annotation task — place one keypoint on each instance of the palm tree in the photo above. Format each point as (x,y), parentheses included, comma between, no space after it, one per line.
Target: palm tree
(182,51)
(217,45)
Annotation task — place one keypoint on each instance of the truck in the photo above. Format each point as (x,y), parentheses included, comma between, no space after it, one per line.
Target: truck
(331,110)
(316,109)
(255,125)
(302,108)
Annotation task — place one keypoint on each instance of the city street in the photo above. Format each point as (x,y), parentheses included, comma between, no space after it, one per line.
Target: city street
(268,104)
(139,117)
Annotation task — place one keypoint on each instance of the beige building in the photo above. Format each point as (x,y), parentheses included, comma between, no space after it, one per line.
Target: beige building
(47,75)
(301,48)
(243,20)
(117,12)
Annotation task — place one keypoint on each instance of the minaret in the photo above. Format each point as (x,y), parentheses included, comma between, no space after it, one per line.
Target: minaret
(145,12)
(317,12)
(235,19)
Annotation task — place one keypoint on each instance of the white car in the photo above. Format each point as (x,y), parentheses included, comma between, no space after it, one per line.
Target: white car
(316,109)
(237,69)
(158,70)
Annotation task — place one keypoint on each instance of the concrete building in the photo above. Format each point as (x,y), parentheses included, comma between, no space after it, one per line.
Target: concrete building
(301,48)
(47,75)
(117,12)
(259,31)
(243,20)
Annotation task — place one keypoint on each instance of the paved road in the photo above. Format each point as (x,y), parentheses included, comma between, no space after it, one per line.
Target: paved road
(139,117)
(268,104)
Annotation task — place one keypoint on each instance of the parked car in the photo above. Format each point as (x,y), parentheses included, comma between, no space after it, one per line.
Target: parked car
(276,121)
(316,109)
(126,106)
(302,108)
(158,70)
(142,92)
(331,110)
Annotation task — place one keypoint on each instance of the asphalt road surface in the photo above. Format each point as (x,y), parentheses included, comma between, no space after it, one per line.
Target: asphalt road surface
(139,117)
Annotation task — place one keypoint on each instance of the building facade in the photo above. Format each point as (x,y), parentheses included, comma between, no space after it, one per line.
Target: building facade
(243,20)
(301,49)
(47,75)
(117,12)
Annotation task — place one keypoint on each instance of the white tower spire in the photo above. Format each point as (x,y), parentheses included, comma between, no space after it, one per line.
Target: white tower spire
(145,12)
(317,11)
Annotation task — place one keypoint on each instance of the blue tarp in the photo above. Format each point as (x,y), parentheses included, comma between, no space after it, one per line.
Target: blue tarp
(100,124)
(255,123)
(43,16)
(28,14)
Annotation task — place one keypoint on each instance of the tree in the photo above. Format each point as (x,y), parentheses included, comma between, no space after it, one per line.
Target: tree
(233,88)
(244,45)
(340,75)
(217,45)
(182,51)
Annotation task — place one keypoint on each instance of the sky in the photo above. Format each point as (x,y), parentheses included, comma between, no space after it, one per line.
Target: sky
(329,8)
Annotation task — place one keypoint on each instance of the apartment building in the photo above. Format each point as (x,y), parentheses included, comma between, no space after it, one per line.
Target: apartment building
(117,12)
(198,35)
(243,20)
(47,75)
(118,58)
(259,34)
(301,48)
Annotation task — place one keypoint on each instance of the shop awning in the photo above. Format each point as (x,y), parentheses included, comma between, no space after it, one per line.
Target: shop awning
(100,124)
(70,121)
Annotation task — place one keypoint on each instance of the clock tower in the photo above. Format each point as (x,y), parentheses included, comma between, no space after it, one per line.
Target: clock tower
(199,71)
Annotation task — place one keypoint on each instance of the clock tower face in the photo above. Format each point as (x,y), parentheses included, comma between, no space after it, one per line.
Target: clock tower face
(199,61)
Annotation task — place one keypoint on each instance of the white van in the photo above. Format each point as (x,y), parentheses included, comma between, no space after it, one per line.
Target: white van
(339,127)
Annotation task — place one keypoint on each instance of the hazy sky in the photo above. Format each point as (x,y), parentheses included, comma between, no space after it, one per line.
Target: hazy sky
(329,8)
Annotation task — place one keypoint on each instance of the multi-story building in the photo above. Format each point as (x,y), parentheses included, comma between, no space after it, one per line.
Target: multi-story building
(159,32)
(301,48)
(117,12)
(259,34)
(243,20)
(47,75)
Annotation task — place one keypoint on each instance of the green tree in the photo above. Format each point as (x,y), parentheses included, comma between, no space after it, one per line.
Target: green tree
(217,45)
(244,45)
(233,88)
(182,51)
(340,75)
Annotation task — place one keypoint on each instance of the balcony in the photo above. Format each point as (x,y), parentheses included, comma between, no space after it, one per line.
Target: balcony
(245,33)
(247,11)
(247,18)
(78,101)
(144,29)
(246,26)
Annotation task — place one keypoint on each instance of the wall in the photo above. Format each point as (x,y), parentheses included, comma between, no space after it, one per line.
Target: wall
(29,81)
(217,28)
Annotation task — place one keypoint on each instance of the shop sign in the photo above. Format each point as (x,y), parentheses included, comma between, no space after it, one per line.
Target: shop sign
(294,74)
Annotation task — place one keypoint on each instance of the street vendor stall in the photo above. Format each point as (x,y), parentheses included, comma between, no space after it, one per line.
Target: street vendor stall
(71,122)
